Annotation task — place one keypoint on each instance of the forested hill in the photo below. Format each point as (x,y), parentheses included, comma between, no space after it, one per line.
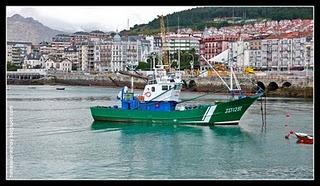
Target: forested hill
(201,17)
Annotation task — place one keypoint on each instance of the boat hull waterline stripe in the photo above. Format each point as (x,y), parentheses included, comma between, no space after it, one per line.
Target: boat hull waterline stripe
(206,117)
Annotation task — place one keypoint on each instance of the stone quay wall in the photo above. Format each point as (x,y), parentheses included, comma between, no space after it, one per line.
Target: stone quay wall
(299,86)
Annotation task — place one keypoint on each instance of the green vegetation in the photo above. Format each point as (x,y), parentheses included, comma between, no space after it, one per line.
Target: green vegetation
(199,18)
(144,65)
(185,58)
(12,67)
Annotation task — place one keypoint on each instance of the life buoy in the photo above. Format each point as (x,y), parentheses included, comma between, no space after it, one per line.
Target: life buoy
(147,94)
(157,105)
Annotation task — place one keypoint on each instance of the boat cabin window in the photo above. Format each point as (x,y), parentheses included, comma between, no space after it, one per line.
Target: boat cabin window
(177,87)
(164,87)
(153,89)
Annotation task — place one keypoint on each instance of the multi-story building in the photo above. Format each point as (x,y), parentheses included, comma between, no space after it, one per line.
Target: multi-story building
(105,56)
(154,47)
(45,48)
(9,53)
(255,44)
(72,54)
(254,53)
(133,50)
(308,54)
(239,53)
(61,42)
(278,52)
(98,35)
(157,43)
(214,45)
(118,61)
(112,55)
(255,58)
(182,42)
(16,51)
(145,51)
(79,37)
(87,57)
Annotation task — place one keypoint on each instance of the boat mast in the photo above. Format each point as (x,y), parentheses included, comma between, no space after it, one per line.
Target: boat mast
(179,46)
(232,74)
(131,84)
(224,82)
(231,71)
(127,56)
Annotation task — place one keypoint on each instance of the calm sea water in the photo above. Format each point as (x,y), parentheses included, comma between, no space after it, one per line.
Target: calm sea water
(54,137)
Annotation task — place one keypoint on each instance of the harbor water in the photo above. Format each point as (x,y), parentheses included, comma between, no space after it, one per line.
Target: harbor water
(51,135)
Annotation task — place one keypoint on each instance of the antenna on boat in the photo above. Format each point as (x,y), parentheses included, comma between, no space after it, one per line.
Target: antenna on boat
(132,66)
(179,46)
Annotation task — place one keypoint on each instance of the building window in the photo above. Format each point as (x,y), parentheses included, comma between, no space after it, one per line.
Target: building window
(165,87)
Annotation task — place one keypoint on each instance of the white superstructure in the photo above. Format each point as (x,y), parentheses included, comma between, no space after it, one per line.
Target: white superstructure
(163,87)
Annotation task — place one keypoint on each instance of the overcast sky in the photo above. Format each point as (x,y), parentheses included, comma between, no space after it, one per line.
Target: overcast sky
(88,18)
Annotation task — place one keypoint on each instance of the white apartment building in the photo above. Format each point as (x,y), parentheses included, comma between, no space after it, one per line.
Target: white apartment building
(182,42)
(275,53)
(113,55)
(16,51)
(239,53)
(118,60)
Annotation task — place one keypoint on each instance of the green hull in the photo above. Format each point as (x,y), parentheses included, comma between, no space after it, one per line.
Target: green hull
(219,113)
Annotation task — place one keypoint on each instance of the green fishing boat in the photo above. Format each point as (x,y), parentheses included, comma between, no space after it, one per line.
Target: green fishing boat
(229,112)
(159,100)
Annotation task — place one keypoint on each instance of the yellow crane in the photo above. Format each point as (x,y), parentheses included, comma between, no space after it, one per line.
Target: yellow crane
(165,51)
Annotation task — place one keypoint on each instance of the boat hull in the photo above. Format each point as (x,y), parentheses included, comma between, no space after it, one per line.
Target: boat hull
(229,112)
(304,138)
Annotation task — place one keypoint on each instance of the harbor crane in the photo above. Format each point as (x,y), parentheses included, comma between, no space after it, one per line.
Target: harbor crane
(165,51)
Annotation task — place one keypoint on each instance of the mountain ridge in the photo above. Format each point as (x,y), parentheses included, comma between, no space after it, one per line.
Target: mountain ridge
(28,29)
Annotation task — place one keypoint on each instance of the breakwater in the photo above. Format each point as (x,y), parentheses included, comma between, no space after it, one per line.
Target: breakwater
(214,85)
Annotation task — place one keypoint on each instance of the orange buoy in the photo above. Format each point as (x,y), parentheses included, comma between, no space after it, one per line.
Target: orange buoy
(141,98)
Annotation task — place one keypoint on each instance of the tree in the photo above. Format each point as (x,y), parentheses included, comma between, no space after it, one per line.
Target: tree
(144,65)
(185,58)
(12,67)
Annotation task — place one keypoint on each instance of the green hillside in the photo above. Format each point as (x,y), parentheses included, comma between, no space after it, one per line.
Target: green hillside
(199,18)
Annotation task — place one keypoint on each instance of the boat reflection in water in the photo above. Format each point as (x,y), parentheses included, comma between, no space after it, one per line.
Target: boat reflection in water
(216,131)
(101,126)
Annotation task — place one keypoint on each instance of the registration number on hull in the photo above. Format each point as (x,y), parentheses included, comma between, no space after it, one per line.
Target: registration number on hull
(234,109)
